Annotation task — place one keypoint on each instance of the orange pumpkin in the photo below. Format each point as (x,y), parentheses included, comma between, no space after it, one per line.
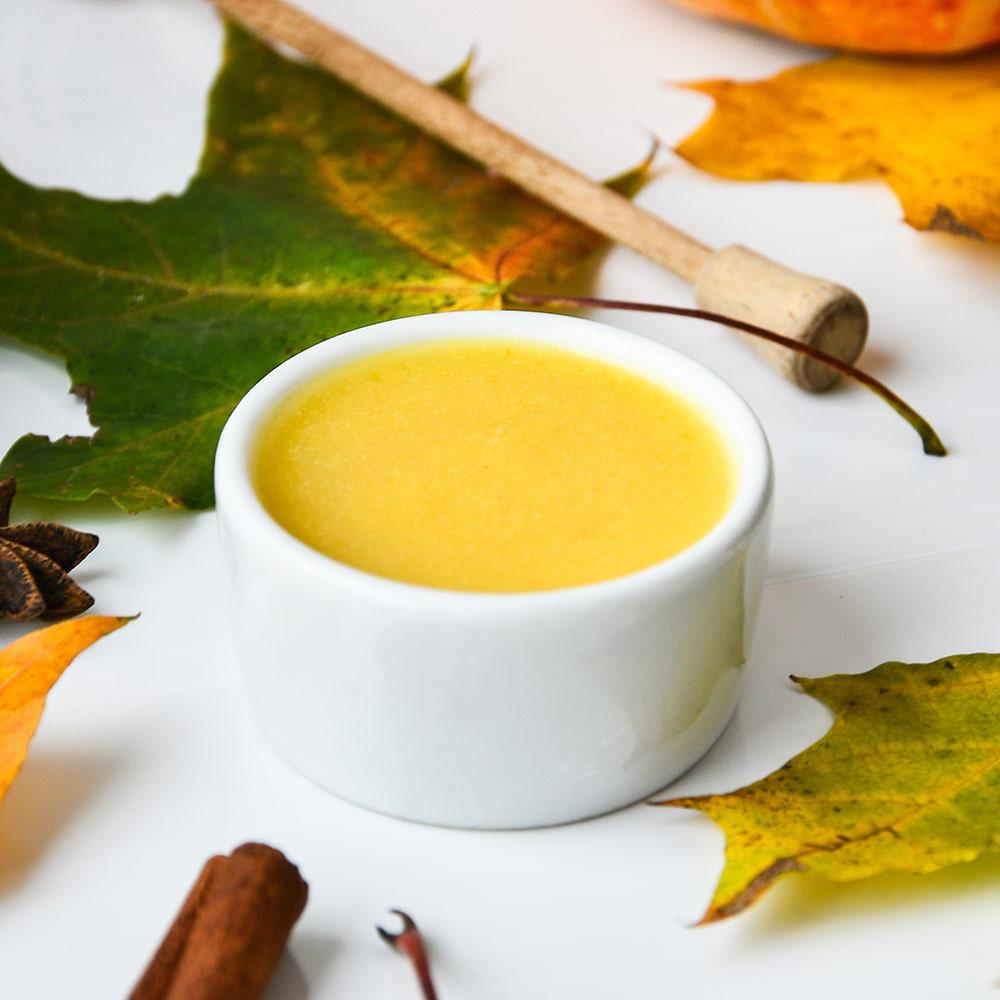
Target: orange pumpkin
(927,26)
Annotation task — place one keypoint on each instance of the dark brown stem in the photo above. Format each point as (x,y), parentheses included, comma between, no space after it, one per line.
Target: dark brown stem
(410,943)
(8,487)
(932,443)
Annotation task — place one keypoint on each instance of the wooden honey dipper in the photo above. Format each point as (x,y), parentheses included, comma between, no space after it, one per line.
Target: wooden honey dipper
(735,281)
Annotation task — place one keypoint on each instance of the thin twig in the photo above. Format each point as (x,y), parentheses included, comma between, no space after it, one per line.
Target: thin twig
(931,442)
(410,943)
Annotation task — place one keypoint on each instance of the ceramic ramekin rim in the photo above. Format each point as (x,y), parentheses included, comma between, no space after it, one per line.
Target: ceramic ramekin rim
(243,511)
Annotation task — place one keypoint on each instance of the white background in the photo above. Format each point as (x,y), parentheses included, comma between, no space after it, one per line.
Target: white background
(147,760)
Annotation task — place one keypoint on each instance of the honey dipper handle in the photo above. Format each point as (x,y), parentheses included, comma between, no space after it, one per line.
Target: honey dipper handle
(761,285)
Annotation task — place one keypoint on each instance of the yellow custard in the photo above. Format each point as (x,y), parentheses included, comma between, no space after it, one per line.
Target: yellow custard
(492,465)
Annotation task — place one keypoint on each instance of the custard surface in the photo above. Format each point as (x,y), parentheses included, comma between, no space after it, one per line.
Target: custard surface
(492,465)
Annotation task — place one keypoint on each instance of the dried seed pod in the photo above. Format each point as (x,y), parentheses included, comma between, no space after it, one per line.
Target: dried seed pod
(35,560)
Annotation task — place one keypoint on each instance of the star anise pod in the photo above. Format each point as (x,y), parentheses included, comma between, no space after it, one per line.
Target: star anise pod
(35,560)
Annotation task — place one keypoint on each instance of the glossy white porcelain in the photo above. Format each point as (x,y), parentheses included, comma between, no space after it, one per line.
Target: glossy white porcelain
(494,710)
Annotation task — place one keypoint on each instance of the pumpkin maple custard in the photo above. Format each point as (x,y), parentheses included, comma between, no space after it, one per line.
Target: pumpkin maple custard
(492,466)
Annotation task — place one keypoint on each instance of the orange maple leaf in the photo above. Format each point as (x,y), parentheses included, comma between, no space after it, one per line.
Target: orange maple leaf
(28,669)
(929,128)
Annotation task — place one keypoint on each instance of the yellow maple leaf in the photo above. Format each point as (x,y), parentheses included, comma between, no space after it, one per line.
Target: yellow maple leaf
(906,780)
(929,128)
(28,669)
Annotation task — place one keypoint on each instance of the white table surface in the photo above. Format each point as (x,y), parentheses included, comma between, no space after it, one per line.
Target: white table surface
(147,759)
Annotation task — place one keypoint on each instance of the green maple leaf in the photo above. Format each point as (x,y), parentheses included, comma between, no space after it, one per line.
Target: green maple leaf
(314,211)
(906,780)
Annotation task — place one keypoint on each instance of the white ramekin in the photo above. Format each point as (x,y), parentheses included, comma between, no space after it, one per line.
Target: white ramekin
(493,710)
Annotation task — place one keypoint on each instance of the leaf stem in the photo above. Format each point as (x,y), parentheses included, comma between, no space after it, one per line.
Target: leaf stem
(410,942)
(931,442)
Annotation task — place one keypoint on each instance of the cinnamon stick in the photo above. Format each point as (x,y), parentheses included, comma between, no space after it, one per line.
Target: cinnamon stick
(227,938)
